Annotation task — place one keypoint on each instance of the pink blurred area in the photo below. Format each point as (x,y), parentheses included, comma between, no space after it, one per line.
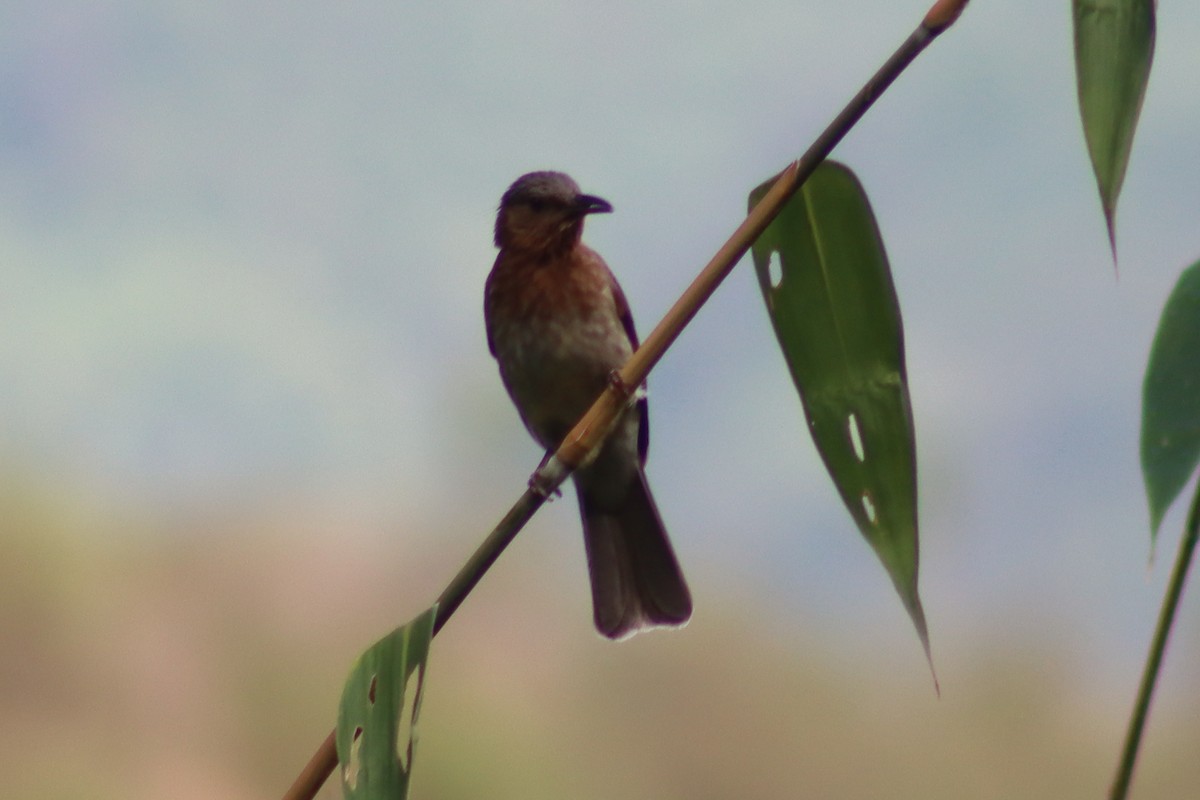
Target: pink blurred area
(139,662)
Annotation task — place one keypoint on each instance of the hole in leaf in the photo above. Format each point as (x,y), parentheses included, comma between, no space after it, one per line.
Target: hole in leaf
(371,690)
(869,507)
(856,437)
(406,729)
(354,763)
(775,270)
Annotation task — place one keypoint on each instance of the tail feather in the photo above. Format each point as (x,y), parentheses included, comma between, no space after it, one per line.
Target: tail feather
(636,580)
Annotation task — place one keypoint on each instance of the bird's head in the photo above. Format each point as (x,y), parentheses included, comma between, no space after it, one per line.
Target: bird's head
(544,211)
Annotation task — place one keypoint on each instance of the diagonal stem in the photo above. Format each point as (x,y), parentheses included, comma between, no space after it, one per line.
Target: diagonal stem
(589,433)
(1158,647)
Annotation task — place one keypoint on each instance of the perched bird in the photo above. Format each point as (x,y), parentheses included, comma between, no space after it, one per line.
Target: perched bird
(558,324)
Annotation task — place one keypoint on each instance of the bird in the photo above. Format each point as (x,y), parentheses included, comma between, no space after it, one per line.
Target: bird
(559,327)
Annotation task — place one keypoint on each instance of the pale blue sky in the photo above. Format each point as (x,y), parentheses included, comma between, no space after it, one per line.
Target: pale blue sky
(242,254)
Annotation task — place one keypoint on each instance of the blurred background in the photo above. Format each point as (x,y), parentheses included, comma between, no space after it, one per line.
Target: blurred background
(249,423)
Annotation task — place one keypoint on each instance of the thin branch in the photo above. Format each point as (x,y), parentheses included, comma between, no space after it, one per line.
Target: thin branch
(589,433)
(316,771)
(1158,647)
(487,553)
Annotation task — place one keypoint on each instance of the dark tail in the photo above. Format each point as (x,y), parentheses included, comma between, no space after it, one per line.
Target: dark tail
(636,581)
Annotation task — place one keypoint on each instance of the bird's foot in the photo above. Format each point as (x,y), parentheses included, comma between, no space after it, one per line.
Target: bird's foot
(543,488)
(617,382)
(540,485)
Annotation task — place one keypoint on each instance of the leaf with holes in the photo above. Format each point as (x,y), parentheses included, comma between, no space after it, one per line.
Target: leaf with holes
(376,728)
(825,278)
(1171,399)
(1114,45)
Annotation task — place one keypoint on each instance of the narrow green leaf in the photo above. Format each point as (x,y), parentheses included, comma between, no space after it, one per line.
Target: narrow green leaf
(825,278)
(1171,399)
(1114,45)
(376,728)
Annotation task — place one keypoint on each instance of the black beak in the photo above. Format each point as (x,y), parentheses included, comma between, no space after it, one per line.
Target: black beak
(590,204)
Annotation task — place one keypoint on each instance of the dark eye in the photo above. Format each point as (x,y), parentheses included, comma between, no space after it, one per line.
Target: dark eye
(537,205)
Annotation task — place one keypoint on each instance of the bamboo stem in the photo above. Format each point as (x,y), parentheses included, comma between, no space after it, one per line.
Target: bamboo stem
(1158,647)
(589,433)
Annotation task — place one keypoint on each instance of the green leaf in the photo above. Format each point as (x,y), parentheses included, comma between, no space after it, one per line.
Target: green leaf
(377,719)
(825,278)
(1114,45)
(1171,399)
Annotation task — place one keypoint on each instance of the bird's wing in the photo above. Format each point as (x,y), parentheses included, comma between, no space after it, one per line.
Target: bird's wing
(643,409)
(487,307)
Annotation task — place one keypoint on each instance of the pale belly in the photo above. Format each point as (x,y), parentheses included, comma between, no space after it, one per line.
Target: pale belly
(554,371)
